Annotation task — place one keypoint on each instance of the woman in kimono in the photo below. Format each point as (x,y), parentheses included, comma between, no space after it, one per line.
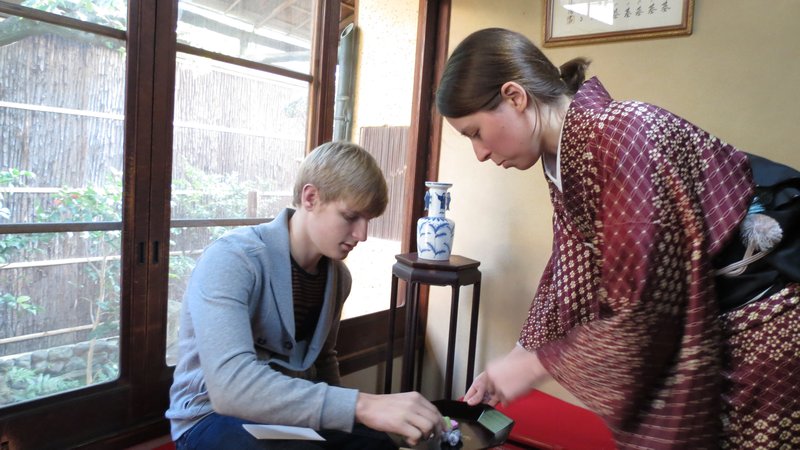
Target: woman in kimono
(669,305)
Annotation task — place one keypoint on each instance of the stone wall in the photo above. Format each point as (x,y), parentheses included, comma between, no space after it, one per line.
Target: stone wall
(44,372)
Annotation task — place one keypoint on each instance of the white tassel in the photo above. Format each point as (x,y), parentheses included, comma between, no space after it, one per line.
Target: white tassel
(760,231)
(760,234)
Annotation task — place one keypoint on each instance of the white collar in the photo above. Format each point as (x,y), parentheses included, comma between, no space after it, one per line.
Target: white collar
(555,177)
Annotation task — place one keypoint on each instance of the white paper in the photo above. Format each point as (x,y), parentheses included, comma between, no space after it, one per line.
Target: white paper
(282,432)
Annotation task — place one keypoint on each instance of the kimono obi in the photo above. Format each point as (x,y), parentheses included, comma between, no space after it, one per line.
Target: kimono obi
(766,256)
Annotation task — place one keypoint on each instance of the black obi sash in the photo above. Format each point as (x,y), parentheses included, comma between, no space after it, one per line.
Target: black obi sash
(777,192)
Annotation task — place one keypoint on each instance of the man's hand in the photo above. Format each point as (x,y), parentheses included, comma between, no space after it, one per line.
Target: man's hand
(407,414)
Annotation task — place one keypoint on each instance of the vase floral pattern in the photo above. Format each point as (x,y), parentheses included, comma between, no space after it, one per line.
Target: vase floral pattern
(435,231)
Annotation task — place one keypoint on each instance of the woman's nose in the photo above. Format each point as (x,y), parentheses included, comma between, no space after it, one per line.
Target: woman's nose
(481,152)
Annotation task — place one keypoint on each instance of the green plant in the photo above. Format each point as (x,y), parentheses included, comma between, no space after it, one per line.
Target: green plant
(28,384)
(206,195)
(102,272)
(11,178)
(14,243)
(111,13)
(19,303)
(202,196)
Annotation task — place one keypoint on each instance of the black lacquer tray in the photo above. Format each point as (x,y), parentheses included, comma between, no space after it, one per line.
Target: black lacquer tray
(481,426)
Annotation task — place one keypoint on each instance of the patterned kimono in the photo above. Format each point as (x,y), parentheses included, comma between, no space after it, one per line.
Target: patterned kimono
(625,316)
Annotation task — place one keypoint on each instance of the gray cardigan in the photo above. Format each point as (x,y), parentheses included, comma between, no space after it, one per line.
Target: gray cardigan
(238,355)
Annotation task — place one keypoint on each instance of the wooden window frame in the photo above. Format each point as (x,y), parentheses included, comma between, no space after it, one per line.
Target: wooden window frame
(362,340)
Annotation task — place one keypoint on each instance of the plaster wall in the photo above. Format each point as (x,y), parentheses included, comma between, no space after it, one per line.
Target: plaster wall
(387,39)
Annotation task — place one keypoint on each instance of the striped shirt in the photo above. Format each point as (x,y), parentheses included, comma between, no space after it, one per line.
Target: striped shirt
(308,291)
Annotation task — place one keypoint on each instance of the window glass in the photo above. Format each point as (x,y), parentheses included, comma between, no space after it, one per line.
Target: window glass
(273,32)
(186,245)
(239,138)
(370,265)
(111,13)
(61,147)
(384,55)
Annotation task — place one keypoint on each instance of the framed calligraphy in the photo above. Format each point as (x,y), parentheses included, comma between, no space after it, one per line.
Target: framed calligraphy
(575,22)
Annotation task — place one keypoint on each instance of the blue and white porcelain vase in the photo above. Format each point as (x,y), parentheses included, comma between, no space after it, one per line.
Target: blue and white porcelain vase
(435,231)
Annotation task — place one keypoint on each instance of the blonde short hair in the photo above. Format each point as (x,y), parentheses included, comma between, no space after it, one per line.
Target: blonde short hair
(344,171)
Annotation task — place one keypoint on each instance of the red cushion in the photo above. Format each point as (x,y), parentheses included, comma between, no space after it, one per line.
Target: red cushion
(544,421)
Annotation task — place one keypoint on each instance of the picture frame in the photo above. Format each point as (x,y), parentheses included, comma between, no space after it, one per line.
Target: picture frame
(578,22)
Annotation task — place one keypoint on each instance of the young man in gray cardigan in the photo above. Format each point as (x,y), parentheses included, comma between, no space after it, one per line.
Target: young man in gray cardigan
(260,318)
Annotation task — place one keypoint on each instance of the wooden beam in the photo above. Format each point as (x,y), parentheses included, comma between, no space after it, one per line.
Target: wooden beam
(278,9)
(233,4)
(323,69)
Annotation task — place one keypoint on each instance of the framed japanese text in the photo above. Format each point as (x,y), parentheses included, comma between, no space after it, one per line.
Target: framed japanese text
(574,22)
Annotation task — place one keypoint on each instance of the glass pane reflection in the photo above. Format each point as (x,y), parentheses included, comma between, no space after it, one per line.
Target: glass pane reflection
(273,32)
(186,246)
(111,13)
(60,312)
(62,95)
(239,139)
(62,99)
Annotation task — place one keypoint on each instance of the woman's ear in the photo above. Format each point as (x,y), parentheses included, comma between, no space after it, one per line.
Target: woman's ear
(516,94)
(309,197)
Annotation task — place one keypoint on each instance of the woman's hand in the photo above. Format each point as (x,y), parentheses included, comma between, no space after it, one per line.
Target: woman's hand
(507,378)
(481,391)
(407,414)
